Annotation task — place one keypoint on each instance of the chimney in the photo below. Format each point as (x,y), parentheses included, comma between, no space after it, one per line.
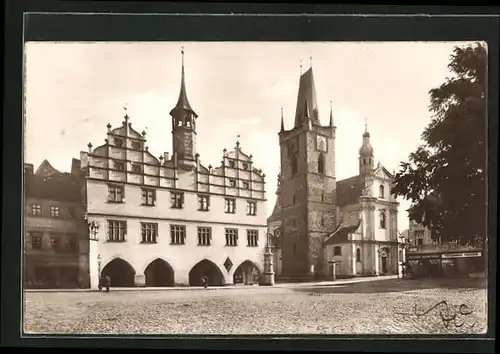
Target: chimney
(28,169)
(76,166)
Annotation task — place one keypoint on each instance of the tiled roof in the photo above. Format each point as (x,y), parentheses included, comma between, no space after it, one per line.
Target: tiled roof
(62,187)
(342,234)
(349,190)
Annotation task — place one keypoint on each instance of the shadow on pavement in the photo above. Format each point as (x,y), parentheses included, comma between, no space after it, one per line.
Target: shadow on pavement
(395,285)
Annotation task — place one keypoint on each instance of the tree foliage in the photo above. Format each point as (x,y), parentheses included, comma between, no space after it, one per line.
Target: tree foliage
(445,178)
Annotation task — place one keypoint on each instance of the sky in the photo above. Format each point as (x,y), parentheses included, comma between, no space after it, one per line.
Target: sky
(73,90)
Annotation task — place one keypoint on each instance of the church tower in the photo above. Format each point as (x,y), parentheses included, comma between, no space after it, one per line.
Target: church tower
(307,186)
(366,160)
(184,127)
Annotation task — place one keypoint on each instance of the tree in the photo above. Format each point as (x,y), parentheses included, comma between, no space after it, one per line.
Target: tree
(445,178)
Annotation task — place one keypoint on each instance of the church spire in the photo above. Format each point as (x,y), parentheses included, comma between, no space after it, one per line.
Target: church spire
(331,115)
(366,159)
(282,122)
(183,102)
(306,100)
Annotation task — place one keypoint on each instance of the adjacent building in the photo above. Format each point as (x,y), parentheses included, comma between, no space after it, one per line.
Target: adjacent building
(56,238)
(429,256)
(172,220)
(318,220)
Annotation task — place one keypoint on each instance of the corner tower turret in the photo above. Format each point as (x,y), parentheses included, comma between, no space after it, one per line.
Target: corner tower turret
(366,159)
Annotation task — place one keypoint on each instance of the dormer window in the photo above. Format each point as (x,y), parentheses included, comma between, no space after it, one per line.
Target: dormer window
(232,183)
(245,185)
(136,168)
(244,166)
(136,145)
(118,142)
(120,166)
(232,164)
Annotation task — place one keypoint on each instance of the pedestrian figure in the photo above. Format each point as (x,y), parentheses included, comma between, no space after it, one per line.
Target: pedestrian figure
(108,283)
(204,280)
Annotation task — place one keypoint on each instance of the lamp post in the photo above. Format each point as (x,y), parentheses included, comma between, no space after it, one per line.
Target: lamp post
(93,229)
(403,254)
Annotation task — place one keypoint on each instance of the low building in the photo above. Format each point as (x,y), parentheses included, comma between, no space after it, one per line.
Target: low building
(172,220)
(56,237)
(428,256)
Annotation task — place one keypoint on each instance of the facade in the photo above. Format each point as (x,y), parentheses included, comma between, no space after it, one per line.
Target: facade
(429,256)
(173,220)
(318,220)
(56,239)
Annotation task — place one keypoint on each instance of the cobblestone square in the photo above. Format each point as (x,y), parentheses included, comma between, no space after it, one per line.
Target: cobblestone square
(391,306)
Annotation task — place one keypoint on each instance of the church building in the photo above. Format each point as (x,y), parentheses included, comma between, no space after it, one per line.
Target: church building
(318,220)
(172,220)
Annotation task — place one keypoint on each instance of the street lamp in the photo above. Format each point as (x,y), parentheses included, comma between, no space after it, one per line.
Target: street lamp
(93,229)
(402,259)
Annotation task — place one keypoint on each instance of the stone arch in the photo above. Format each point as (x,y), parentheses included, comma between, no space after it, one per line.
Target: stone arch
(159,273)
(247,273)
(206,268)
(121,273)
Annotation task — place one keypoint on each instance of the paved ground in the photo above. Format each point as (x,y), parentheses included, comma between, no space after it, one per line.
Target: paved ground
(392,306)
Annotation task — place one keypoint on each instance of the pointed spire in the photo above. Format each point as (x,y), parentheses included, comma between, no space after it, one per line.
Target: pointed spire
(331,115)
(183,102)
(310,60)
(366,134)
(301,67)
(282,121)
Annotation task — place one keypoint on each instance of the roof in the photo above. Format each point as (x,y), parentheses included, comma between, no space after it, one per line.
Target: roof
(183,102)
(342,234)
(49,183)
(306,100)
(349,190)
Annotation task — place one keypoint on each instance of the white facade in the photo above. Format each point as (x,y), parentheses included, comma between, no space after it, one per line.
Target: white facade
(171,220)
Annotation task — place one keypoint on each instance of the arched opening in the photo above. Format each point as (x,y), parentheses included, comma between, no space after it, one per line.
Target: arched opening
(321,164)
(159,273)
(120,272)
(381,191)
(208,269)
(382,220)
(247,273)
(358,255)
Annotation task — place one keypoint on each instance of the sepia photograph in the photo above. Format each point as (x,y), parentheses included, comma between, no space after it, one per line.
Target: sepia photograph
(255,188)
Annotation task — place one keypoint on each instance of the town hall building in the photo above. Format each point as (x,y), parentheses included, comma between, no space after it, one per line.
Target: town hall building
(318,220)
(172,220)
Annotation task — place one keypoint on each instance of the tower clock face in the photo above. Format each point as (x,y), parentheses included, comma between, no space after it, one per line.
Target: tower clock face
(321,143)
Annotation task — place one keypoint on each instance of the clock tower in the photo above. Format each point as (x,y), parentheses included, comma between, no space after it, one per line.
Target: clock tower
(307,193)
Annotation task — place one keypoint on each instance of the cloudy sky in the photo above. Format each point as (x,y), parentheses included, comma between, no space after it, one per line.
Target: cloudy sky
(74,89)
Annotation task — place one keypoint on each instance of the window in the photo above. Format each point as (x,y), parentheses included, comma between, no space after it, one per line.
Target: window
(232,164)
(120,166)
(381,191)
(230,206)
(420,242)
(55,243)
(337,251)
(177,234)
(136,145)
(322,221)
(245,166)
(203,202)
(54,211)
(251,208)
(149,232)
(322,197)
(232,237)
(117,230)
(232,183)
(419,233)
(115,194)
(358,255)
(177,200)
(36,209)
(118,142)
(204,236)
(293,199)
(136,168)
(321,164)
(246,185)
(382,220)
(252,238)
(36,240)
(148,196)
(295,164)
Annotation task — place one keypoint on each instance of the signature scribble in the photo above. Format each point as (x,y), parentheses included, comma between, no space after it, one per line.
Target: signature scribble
(449,314)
